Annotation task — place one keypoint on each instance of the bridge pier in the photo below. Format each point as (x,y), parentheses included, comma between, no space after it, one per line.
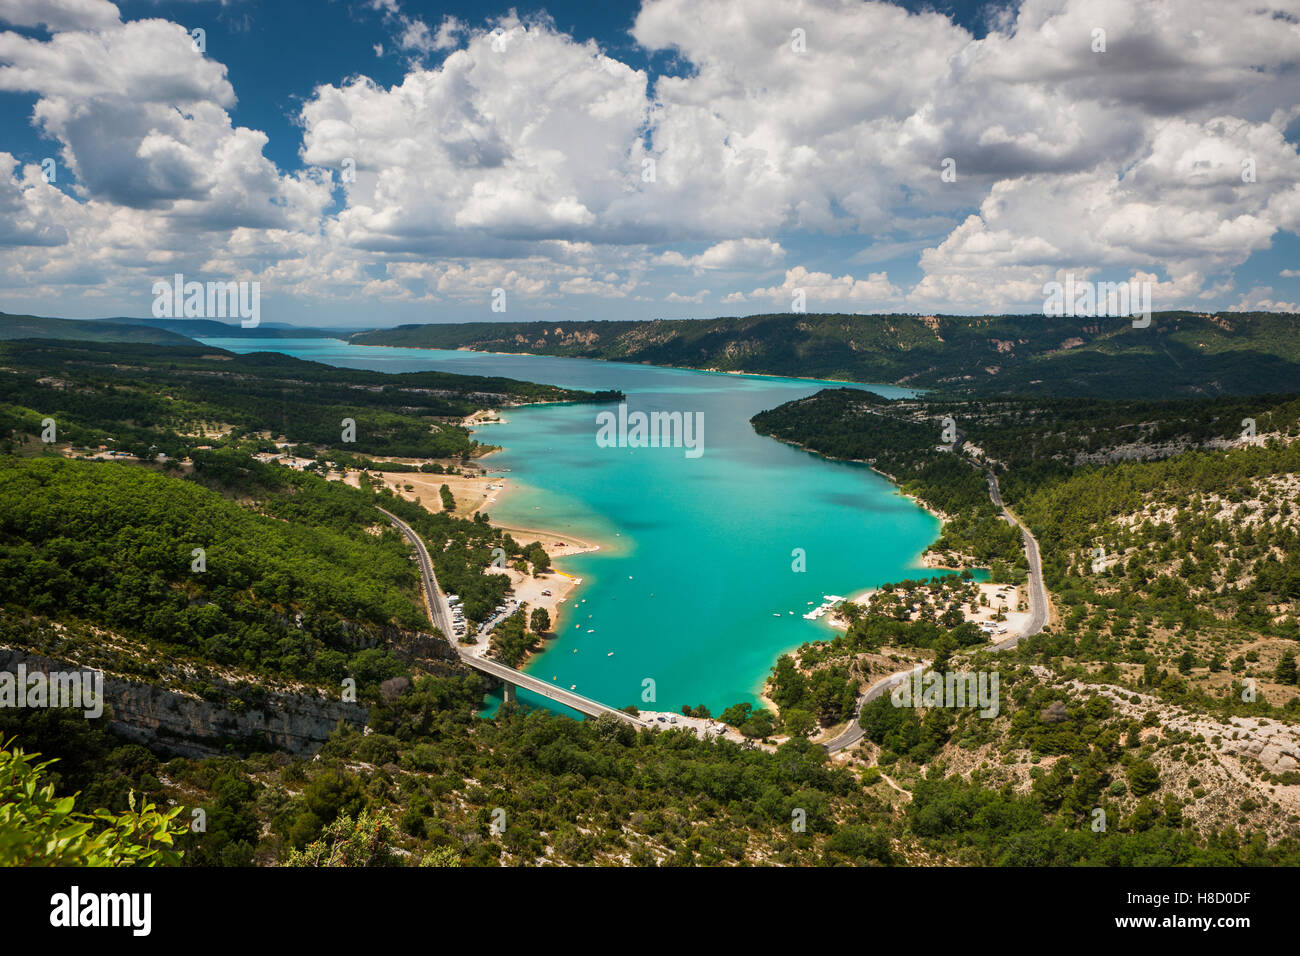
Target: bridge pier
(509,690)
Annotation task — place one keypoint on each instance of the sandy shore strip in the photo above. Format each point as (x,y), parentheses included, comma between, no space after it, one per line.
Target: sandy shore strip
(472,492)
(481,492)
(484,416)
(560,584)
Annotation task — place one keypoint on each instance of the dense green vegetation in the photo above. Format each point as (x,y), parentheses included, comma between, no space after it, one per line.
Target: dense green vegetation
(1181,353)
(821,686)
(146,400)
(39,829)
(511,640)
(431,780)
(286,591)
(826,694)
(215,556)
(304,581)
(1169,530)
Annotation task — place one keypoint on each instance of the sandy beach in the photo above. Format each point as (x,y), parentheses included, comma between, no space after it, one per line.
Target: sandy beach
(472,492)
(477,492)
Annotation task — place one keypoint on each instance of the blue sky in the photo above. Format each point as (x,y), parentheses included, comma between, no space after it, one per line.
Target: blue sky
(384,161)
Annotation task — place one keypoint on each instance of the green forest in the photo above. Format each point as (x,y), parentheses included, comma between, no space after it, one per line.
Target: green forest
(1181,354)
(146,400)
(209,569)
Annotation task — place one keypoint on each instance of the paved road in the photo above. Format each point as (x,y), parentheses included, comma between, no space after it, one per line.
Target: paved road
(1038,609)
(853,732)
(585,705)
(434,600)
(439,613)
(1038,606)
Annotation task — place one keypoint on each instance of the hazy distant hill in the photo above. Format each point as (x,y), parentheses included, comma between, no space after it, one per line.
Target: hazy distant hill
(1179,354)
(37,327)
(212,328)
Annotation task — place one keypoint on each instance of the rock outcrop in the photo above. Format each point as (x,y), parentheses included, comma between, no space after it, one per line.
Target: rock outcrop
(192,726)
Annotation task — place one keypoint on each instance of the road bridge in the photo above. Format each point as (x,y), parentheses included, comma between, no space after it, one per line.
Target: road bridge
(440,615)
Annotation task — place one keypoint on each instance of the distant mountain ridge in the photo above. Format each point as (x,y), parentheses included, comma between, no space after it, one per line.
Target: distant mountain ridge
(1179,354)
(213,328)
(39,327)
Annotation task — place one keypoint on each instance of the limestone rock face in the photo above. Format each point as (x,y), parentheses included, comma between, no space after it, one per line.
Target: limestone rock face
(239,716)
(183,723)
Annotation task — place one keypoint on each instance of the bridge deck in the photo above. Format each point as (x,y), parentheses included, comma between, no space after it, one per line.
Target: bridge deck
(441,618)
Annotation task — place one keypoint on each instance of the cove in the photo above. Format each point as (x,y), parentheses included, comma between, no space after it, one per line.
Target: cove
(693,589)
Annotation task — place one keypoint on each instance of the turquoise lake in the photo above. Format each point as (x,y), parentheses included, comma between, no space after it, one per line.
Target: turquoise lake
(694,583)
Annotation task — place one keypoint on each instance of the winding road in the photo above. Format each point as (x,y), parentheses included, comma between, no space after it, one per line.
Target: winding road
(434,600)
(440,615)
(1038,611)
(1038,606)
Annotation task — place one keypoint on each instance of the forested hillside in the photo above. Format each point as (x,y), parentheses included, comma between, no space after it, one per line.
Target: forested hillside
(1126,704)
(426,785)
(112,544)
(1169,533)
(1179,354)
(175,399)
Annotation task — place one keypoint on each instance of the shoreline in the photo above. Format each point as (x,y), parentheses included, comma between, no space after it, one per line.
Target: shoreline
(927,560)
(564,597)
(481,493)
(563,584)
(485,490)
(614,361)
(929,509)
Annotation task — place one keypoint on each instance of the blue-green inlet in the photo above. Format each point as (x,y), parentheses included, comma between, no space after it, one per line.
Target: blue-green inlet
(695,587)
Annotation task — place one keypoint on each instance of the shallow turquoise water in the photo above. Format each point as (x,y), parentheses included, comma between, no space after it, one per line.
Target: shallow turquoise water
(693,585)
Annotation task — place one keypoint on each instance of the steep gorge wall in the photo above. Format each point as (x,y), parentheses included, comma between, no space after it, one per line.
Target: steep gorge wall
(183,723)
(191,726)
